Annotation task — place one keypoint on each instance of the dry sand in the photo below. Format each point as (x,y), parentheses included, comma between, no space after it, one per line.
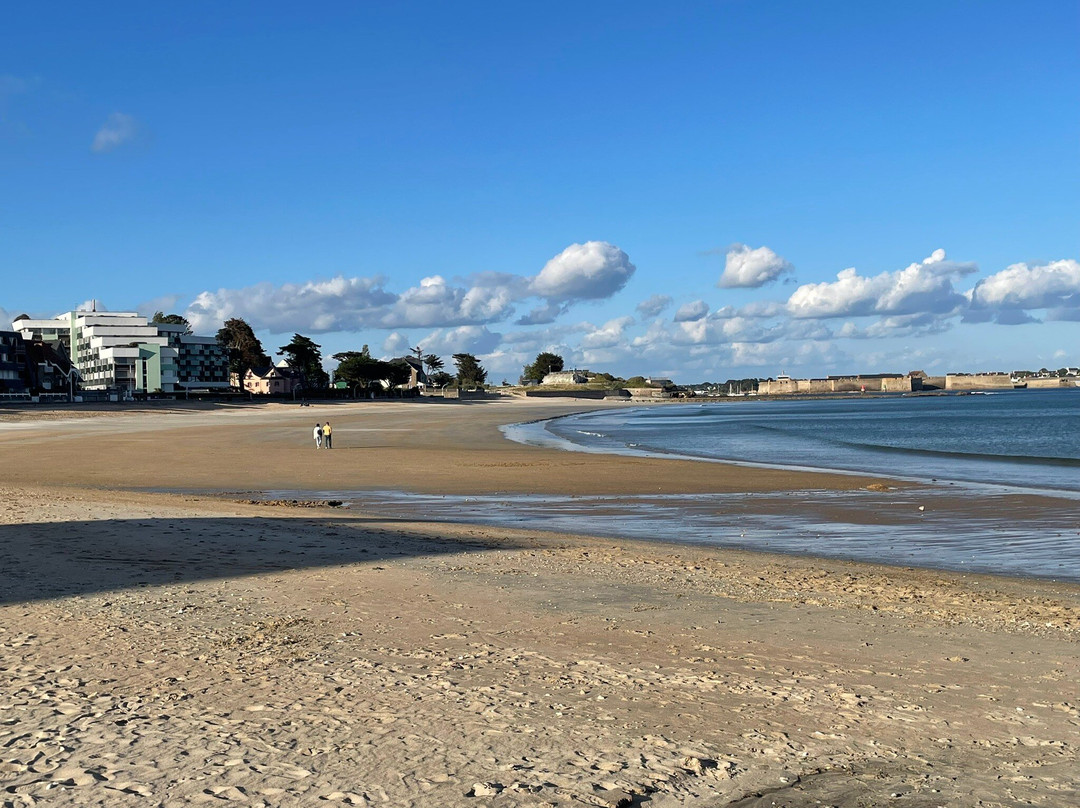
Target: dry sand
(167,649)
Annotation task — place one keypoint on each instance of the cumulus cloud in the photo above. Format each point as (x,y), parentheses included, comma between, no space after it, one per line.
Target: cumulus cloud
(436,303)
(542,315)
(653,305)
(609,335)
(691,311)
(1022,286)
(581,272)
(117,130)
(926,286)
(749,267)
(338,304)
(474,339)
(396,344)
(589,271)
(771,357)
(763,309)
(902,325)
(92,305)
(544,338)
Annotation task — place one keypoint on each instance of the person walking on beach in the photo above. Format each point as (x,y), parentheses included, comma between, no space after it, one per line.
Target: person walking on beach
(317,434)
(326,433)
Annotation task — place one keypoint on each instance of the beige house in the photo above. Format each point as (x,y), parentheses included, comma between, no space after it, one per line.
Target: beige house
(280,380)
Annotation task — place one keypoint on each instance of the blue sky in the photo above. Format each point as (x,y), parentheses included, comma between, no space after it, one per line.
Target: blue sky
(506,179)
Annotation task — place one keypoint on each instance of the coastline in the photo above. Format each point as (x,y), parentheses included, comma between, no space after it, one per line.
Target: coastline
(189,648)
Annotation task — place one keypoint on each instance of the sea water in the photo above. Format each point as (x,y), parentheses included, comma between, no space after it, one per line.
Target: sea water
(1023,439)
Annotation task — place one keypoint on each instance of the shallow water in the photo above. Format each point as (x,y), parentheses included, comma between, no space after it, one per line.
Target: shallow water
(994,532)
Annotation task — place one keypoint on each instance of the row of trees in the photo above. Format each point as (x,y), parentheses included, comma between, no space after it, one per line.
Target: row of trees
(360,368)
(355,368)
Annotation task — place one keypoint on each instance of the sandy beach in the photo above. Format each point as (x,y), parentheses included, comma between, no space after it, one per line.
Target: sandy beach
(166,643)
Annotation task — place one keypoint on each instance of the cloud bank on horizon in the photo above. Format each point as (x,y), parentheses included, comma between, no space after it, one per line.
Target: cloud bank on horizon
(480,313)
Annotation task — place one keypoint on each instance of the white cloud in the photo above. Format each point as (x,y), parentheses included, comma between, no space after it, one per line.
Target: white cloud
(773,357)
(117,130)
(763,309)
(396,344)
(542,315)
(749,267)
(920,287)
(92,305)
(338,304)
(543,339)
(609,335)
(581,272)
(436,303)
(689,312)
(653,305)
(474,339)
(1021,286)
(908,325)
(589,271)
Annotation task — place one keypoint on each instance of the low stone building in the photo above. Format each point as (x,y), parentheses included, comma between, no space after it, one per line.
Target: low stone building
(565,377)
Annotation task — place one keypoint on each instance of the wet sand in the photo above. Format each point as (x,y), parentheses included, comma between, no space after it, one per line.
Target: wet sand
(171,649)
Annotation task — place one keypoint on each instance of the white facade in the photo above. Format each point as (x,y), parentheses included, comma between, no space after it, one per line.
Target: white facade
(112,350)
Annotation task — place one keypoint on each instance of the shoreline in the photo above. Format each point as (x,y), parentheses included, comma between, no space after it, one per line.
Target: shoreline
(186,649)
(532,433)
(487,465)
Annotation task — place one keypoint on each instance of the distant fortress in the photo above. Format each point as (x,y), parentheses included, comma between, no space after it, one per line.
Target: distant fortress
(784,385)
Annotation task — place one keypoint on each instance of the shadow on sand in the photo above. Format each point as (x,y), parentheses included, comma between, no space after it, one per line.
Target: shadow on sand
(60,559)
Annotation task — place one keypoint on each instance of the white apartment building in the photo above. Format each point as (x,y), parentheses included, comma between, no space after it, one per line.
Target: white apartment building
(112,350)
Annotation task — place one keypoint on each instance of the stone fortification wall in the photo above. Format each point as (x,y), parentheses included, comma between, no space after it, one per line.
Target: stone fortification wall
(589,394)
(850,384)
(1049,384)
(979,381)
(783,387)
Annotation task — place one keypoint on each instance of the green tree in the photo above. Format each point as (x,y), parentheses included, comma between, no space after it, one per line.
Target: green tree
(544,364)
(636,381)
(343,355)
(171,319)
(433,364)
(245,350)
(440,378)
(305,355)
(397,373)
(470,373)
(358,369)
